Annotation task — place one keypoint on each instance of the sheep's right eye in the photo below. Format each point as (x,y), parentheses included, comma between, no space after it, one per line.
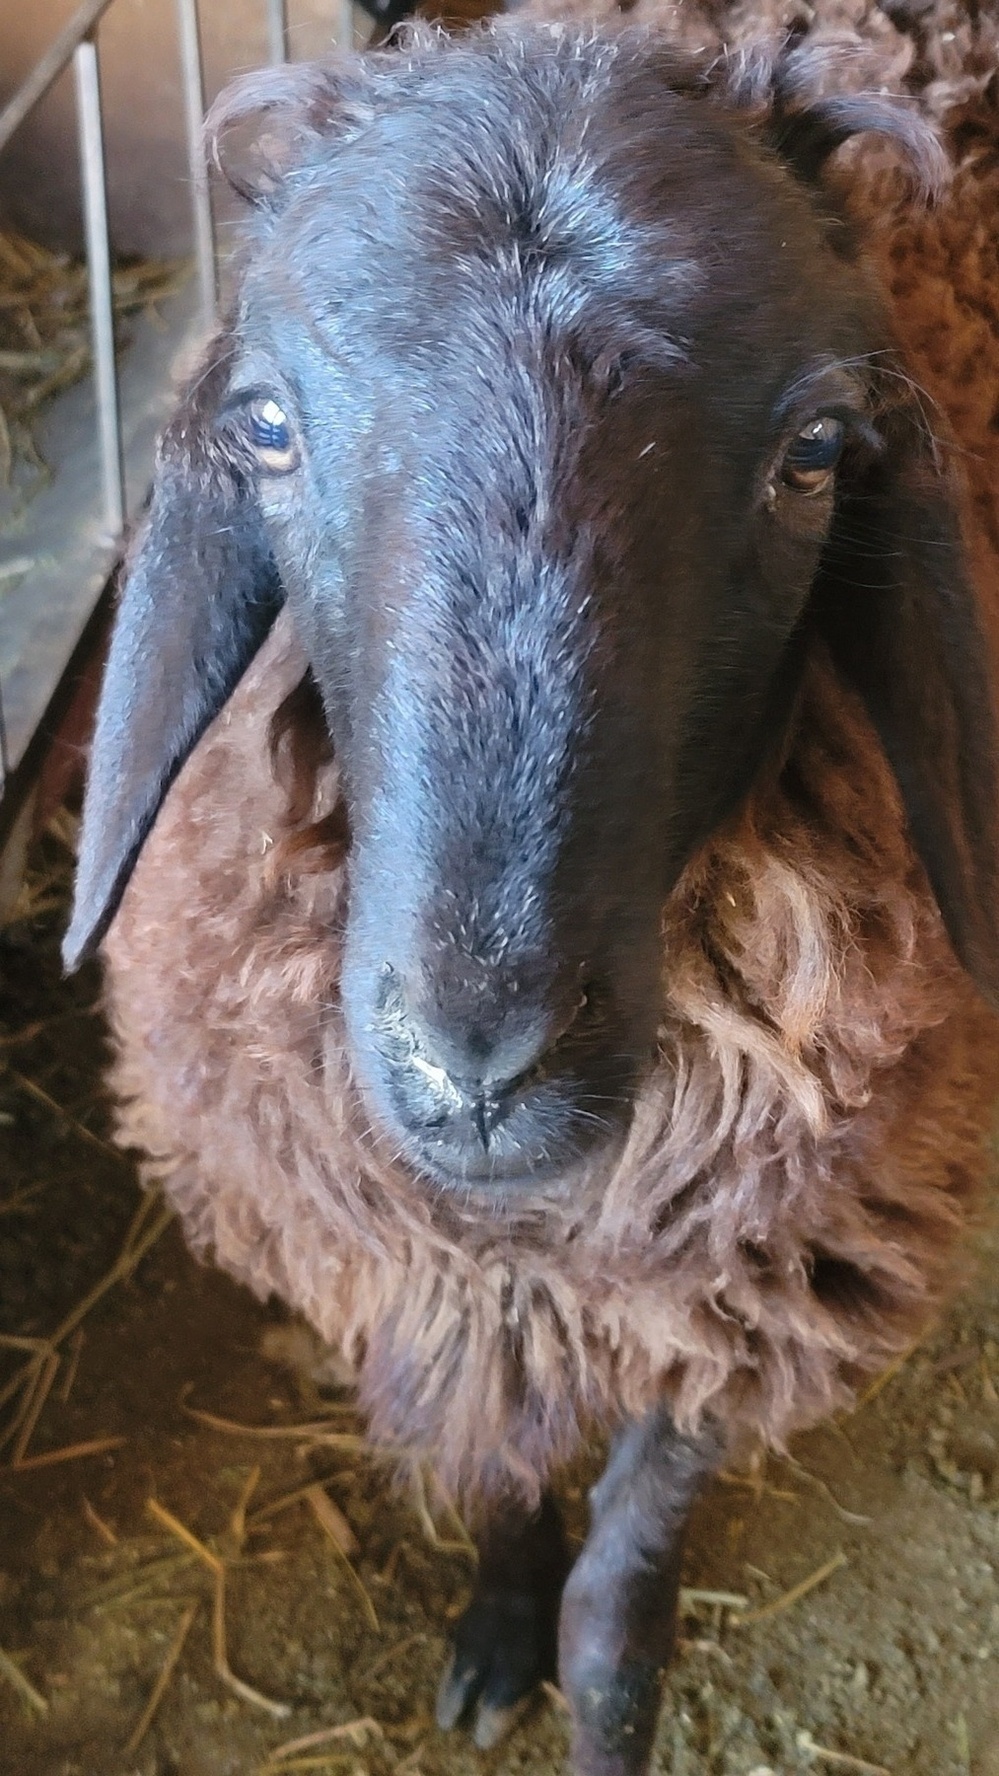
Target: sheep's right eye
(272,437)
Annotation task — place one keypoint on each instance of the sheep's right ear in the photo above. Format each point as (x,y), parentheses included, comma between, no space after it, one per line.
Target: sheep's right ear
(199,593)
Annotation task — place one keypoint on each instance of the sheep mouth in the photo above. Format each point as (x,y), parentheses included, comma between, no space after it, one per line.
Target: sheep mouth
(463,1171)
(514,1104)
(547,1138)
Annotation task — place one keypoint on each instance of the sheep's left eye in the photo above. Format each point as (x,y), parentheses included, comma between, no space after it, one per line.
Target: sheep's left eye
(271,437)
(810,460)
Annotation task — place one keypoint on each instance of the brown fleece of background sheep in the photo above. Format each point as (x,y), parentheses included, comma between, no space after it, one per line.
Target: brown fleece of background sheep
(787,1210)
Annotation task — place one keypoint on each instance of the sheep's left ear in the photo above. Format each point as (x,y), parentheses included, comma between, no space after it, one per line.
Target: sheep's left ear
(896,605)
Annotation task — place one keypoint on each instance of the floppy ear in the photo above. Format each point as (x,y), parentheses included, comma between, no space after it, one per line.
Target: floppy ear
(199,594)
(201,589)
(896,606)
(893,596)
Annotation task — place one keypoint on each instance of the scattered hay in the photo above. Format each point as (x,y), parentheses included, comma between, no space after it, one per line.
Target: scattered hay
(176,1647)
(282,1503)
(384,1659)
(79,1129)
(887,1375)
(839,1760)
(69,1452)
(692,1599)
(757,1486)
(788,1598)
(72,1365)
(98,1524)
(28,1034)
(237,1522)
(37,1391)
(220,1658)
(174,1527)
(330,1519)
(317,1430)
(45,334)
(124,1588)
(288,1757)
(330,1760)
(15,1205)
(323,1434)
(32,1383)
(855,1518)
(444,1545)
(47,880)
(338,1532)
(16,1678)
(358,1732)
(217,1567)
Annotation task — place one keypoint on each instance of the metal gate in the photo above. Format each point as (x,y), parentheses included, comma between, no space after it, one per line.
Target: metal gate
(74,528)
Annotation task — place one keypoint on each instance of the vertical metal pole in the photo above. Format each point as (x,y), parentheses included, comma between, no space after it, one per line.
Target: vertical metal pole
(194,117)
(277,30)
(95,219)
(4,755)
(344,31)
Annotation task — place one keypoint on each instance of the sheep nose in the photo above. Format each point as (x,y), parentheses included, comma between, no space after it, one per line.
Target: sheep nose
(458,1074)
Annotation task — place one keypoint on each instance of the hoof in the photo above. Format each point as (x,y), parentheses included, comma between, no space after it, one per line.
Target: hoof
(504,1645)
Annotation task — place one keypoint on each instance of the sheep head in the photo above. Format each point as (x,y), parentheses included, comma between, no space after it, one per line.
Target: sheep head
(555,404)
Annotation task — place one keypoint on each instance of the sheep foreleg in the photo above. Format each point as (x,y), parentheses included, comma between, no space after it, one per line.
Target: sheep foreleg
(618,1620)
(506,1641)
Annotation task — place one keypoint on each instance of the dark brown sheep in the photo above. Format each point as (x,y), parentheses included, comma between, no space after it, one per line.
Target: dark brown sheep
(669,1123)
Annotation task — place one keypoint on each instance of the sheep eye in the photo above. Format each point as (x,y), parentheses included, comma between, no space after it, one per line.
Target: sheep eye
(810,460)
(271,437)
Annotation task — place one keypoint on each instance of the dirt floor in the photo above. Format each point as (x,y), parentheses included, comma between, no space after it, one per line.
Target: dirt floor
(889,1663)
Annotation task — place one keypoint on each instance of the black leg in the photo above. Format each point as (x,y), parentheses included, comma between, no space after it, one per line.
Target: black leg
(506,1641)
(618,1621)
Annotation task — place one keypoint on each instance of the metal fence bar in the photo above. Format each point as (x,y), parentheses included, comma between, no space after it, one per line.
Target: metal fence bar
(50,66)
(194,116)
(343,30)
(4,752)
(95,221)
(277,30)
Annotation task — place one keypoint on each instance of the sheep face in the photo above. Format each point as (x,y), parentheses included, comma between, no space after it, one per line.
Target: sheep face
(547,491)
(546,383)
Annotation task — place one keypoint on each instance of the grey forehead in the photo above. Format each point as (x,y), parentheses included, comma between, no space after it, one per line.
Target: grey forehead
(613,172)
(555,202)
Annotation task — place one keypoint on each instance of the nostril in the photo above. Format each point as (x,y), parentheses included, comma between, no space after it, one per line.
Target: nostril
(583,1014)
(467,1065)
(407,1049)
(486,1113)
(391,1026)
